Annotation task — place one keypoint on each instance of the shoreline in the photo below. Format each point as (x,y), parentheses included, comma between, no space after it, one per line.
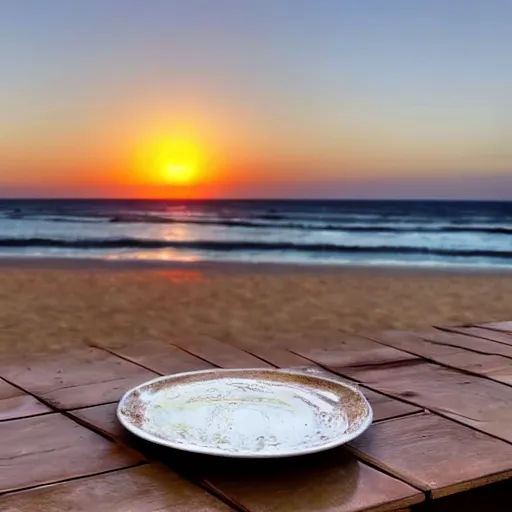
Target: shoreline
(59,263)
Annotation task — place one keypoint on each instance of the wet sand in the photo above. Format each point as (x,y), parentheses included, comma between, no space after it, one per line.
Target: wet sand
(52,304)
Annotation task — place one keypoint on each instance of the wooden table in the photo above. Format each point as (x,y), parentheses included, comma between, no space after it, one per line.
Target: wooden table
(441,438)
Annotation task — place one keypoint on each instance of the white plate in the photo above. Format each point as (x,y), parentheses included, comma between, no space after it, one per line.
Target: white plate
(246,413)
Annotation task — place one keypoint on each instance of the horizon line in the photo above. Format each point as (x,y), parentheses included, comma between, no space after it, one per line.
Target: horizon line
(255,199)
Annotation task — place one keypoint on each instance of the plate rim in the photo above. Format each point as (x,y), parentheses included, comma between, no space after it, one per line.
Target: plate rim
(343,439)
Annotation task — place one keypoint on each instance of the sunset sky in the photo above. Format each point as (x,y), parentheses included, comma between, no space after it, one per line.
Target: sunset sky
(256,98)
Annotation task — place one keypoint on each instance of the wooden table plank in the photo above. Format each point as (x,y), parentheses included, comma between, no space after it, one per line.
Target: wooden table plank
(413,343)
(76,378)
(385,407)
(452,339)
(148,488)
(162,358)
(103,419)
(278,356)
(221,354)
(49,448)
(352,351)
(14,403)
(497,326)
(475,401)
(491,498)
(487,334)
(435,454)
(333,481)
(494,367)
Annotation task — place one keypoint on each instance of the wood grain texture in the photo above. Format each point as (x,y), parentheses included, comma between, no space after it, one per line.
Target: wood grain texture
(497,368)
(333,481)
(49,448)
(76,378)
(497,326)
(221,354)
(492,366)
(14,403)
(435,453)
(475,401)
(385,407)
(278,356)
(452,339)
(487,334)
(102,418)
(148,488)
(413,343)
(162,358)
(355,352)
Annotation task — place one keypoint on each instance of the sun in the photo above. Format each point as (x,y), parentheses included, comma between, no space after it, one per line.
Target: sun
(180,173)
(172,161)
(179,161)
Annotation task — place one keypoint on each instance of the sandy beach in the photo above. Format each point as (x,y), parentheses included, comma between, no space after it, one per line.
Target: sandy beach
(51,304)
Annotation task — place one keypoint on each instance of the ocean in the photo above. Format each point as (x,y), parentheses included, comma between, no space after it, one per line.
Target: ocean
(410,233)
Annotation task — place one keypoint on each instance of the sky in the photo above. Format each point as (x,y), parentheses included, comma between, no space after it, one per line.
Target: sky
(277,98)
